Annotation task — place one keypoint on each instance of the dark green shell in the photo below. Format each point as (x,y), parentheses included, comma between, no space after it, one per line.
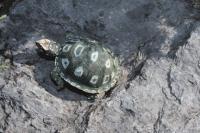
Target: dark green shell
(88,66)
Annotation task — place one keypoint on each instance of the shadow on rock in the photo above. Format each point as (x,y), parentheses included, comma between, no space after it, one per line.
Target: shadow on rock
(42,75)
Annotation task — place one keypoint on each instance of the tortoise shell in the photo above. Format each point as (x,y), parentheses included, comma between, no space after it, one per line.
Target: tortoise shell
(88,66)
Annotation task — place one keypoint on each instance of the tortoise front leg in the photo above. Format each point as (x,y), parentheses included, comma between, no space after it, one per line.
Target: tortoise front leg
(100,96)
(97,97)
(55,76)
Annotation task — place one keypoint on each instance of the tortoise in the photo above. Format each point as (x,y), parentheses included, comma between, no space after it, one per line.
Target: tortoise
(83,63)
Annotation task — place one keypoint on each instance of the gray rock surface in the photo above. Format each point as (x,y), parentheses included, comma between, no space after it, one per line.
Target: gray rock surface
(158,40)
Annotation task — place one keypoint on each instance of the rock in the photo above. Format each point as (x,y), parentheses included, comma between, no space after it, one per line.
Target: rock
(196,4)
(158,42)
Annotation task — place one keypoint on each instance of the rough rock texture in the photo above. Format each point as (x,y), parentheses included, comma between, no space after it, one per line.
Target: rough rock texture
(158,40)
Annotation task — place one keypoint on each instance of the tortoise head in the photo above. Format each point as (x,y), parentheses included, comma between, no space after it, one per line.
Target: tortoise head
(47,47)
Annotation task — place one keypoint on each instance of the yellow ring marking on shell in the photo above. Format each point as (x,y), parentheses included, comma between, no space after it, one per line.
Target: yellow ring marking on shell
(106,79)
(65,62)
(94,79)
(78,71)
(76,49)
(94,56)
(107,63)
(66,48)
